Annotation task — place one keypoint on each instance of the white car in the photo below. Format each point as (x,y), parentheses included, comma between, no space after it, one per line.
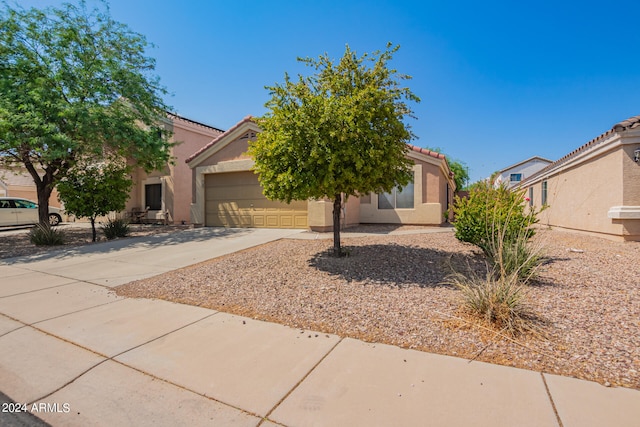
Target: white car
(16,211)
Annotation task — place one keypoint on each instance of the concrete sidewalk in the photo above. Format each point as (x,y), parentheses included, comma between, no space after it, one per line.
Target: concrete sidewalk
(76,354)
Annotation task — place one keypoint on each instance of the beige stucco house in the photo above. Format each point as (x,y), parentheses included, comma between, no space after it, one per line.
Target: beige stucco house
(596,188)
(167,193)
(226,192)
(17,182)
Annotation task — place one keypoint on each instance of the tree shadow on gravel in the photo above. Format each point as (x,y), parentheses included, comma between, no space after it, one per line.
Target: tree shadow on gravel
(397,265)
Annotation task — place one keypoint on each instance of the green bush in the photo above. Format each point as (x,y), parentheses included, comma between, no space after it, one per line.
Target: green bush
(115,228)
(488,211)
(44,235)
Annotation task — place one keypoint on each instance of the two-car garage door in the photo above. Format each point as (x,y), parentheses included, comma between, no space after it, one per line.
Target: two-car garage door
(235,199)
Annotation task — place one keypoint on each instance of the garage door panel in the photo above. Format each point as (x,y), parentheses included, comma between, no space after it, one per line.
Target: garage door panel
(235,200)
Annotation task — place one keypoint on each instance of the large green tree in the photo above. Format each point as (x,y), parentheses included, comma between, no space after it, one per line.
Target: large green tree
(339,131)
(93,190)
(75,84)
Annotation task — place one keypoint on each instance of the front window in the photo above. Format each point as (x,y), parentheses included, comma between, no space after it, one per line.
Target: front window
(396,198)
(530,196)
(153,196)
(515,177)
(544,193)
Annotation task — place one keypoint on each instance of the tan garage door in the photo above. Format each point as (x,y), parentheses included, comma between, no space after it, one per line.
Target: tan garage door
(235,199)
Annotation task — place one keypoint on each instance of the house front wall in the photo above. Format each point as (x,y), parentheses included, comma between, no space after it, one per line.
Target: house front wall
(175,179)
(429,199)
(229,155)
(598,192)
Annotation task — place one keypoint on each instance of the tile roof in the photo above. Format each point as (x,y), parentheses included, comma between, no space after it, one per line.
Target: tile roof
(250,119)
(630,123)
(427,152)
(184,119)
(218,138)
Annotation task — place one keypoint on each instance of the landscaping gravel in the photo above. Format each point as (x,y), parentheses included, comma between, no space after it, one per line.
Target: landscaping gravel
(391,290)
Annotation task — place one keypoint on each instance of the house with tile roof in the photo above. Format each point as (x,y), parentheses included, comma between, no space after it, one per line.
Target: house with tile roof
(594,189)
(167,193)
(228,193)
(511,176)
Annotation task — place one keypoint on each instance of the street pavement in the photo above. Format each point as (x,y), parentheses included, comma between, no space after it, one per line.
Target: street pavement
(73,353)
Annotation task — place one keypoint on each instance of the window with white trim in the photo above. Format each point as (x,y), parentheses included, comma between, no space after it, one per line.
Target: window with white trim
(397,198)
(544,193)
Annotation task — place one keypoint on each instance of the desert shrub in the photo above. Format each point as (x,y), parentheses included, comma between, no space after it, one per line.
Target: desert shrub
(500,301)
(488,211)
(518,257)
(117,227)
(44,235)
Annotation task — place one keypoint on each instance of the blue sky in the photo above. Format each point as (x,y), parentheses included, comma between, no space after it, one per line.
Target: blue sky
(499,81)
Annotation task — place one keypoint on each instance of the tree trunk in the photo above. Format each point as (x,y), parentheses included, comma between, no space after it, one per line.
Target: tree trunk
(44,188)
(93,229)
(44,193)
(337,206)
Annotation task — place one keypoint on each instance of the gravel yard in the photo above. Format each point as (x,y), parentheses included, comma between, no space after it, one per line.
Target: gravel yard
(15,242)
(391,290)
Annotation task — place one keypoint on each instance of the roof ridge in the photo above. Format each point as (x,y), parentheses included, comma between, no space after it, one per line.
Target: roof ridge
(629,123)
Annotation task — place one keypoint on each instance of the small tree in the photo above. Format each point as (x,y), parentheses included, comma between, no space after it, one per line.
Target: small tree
(95,190)
(337,132)
(73,84)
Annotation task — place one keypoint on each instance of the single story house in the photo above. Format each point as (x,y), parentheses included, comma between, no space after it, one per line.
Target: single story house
(167,193)
(596,188)
(512,176)
(226,191)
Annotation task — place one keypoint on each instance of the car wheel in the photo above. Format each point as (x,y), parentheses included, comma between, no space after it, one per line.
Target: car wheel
(54,219)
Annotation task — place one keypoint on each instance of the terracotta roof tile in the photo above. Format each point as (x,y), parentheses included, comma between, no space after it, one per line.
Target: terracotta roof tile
(629,123)
(427,152)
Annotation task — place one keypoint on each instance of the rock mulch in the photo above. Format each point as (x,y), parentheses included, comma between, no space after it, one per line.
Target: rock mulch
(391,290)
(16,243)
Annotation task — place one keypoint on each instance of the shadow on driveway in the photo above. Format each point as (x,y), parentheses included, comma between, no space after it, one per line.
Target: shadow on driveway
(146,242)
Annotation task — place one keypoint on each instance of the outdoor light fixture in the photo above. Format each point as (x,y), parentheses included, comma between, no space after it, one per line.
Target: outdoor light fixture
(636,155)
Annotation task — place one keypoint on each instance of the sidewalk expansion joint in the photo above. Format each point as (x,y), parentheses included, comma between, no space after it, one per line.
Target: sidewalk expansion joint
(553,405)
(111,358)
(299,382)
(74,281)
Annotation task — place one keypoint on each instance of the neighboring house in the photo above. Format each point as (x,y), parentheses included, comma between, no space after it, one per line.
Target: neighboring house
(168,193)
(17,182)
(514,174)
(227,192)
(596,188)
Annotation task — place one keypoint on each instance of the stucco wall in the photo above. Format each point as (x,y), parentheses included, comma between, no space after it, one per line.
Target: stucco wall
(176,179)
(426,210)
(579,197)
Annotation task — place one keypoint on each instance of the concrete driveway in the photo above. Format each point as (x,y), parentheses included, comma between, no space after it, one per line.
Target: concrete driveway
(76,354)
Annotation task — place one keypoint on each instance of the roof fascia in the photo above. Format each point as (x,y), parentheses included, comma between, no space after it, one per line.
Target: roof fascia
(224,140)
